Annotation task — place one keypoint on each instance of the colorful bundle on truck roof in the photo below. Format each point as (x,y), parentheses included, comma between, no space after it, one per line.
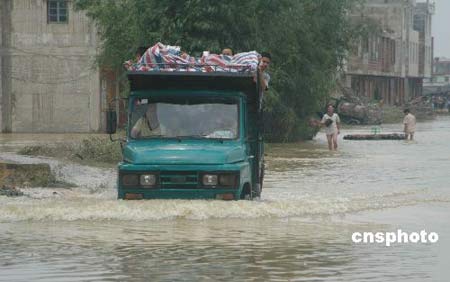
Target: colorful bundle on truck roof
(162,57)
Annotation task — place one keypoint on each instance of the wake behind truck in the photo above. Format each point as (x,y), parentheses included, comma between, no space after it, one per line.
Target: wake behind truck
(192,135)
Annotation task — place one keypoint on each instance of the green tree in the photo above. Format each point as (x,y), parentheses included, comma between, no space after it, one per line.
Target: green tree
(308,40)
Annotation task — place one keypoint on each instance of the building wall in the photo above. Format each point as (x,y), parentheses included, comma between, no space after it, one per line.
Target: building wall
(54,84)
(390,18)
(422,23)
(375,56)
(388,89)
(388,65)
(413,54)
(5,65)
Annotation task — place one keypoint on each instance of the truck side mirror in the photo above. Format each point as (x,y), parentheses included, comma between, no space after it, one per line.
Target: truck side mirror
(111,121)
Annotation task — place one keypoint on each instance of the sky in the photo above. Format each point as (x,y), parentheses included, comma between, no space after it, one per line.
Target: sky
(441,28)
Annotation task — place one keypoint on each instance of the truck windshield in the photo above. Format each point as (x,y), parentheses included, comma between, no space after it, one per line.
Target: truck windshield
(189,119)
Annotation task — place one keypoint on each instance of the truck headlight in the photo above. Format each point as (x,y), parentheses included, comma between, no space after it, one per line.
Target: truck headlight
(209,179)
(147,180)
(227,180)
(130,180)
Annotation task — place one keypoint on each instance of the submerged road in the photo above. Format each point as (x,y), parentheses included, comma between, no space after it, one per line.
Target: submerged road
(301,230)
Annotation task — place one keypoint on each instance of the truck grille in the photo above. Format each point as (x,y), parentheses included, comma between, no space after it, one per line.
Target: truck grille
(179,179)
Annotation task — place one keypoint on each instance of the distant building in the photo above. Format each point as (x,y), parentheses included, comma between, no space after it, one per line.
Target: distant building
(441,71)
(439,83)
(438,86)
(48,79)
(390,64)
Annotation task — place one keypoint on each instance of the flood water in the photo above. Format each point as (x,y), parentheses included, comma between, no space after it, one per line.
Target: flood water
(301,229)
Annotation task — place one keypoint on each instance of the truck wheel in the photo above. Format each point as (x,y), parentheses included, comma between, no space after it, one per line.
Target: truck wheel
(256,191)
(261,178)
(246,193)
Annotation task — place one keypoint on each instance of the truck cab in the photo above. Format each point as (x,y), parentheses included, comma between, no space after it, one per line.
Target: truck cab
(192,135)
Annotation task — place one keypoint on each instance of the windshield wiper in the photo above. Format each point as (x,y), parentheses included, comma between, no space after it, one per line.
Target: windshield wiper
(202,136)
(150,136)
(191,136)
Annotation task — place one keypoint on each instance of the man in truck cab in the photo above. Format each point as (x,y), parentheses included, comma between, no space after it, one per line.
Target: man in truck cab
(148,124)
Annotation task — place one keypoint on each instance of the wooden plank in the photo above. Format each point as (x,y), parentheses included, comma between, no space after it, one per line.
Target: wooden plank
(390,136)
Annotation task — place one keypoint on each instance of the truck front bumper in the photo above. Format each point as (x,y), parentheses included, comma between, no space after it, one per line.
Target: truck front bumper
(139,194)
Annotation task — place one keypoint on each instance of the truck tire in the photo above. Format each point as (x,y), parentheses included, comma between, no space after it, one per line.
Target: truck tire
(256,191)
(246,193)
(261,176)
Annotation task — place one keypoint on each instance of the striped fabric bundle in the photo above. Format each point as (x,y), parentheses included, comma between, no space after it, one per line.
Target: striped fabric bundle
(240,62)
(162,57)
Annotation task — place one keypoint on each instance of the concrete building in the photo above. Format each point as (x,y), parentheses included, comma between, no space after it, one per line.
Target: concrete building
(422,23)
(441,71)
(437,88)
(392,61)
(48,79)
(439,83)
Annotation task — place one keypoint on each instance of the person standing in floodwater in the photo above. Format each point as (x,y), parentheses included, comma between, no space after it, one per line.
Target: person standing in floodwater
(332,124)
(409,122)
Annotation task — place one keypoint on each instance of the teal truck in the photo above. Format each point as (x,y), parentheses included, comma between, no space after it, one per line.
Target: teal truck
(192,135)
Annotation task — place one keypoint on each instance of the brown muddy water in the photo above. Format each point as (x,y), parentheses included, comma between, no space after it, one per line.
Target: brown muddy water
(301,229)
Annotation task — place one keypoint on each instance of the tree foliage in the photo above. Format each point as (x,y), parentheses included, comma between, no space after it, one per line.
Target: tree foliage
(308,40)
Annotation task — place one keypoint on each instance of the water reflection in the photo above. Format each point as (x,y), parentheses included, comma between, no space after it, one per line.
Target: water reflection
(181,250)
(214,250)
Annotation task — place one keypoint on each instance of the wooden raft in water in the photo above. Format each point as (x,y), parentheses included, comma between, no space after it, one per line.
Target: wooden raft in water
(389,136)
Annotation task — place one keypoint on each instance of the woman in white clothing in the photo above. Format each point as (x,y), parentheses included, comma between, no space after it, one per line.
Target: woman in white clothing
(332,123)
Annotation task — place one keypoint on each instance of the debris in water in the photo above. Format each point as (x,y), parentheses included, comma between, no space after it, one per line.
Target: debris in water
(10,191)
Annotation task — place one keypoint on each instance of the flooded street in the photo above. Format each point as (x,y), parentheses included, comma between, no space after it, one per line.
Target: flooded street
(301,230)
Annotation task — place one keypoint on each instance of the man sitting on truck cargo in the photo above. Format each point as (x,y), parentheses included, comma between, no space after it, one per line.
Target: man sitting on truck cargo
(264,63)
(227,52)
(148,124)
